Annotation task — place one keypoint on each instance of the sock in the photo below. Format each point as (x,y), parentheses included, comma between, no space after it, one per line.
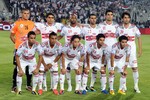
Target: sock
(136,78)
(68,76)
(78,82)
(15,77)
(19,82)
(29,76)
(111,82)
(93,78)
(55,80)
(40,80)
(51,75)
(103,81)
(84,81)
(35,82)
(122,82)
(62,80)
(44,80)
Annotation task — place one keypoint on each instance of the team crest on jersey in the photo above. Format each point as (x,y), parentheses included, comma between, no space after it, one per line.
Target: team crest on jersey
(21,25)
(121,31)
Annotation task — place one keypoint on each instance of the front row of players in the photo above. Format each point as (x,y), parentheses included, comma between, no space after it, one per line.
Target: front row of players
(74,55)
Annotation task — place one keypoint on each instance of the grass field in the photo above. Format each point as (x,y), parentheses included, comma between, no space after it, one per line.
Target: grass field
(6,69)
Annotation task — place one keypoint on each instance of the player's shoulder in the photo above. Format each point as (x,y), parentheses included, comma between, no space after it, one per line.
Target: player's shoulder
(133,26)
(104,45)
(67,44)
(58,43)
(30,21)
(120,26)
(37,43)
(91,45)
(115,45)
(43,44)
(81,45)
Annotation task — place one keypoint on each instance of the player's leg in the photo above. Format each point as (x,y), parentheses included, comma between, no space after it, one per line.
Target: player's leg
(29,79)
(93,79)
(68,76)
(40,79)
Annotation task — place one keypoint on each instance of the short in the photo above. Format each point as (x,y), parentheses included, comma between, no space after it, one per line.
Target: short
(72,63)
(133,61)
(47,61)
(32,65)
(95,64)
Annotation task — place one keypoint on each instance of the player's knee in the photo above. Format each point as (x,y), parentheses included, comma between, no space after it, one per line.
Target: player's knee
(102,71)
(134,69)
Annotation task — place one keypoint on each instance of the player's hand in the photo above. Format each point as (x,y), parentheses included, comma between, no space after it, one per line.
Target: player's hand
(111,72)
(49,65)
(124,72)
(46,68)
(20,72)
(36,71)
(63,70)
(139,53)
(87,69)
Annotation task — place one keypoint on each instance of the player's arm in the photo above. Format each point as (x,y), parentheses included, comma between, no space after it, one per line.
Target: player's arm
(112,58)
(12,37)
(140,46)
(63,32)
(63,63)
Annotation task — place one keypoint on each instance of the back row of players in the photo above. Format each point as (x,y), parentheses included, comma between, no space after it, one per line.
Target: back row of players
(101,49)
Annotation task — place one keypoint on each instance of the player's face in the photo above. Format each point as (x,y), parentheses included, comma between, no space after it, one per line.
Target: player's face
(101,41)
(53,39)
(50,19)
(126,19)
(92,20)
(76,42)
(73,19)
(31,39)
(26,14)
(109,16)
(123,43)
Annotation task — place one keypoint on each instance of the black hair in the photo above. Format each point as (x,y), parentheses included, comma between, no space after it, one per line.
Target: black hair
(25,9)
(31,33)
(92,15)
(52,34)
(100,36)
(107,11)
(125,13)
(50,14)
(123,37)
(74,37)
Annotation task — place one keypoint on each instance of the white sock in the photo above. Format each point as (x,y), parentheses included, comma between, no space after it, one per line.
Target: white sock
(55,80)
(84,81)
(62,80)
(19,83)
(68,76)
(44,80)
(103,81)
(51,75)
(78,82)
(136,78)
(122,82)
(40,81)
(111,82)
(93,78)
(35,82)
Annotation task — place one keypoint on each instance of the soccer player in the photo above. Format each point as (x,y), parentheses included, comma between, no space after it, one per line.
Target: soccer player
(119,59)
(73,55)
(67,32)
(52,53)
(94,58)
(131,31)
(45,29)
(108,28)
(18,35)
(25,56)
(89,33)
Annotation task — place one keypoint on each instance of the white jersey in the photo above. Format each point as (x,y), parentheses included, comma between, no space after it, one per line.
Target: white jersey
(120,53)
(46,29)
(69,31)
(110,33)
(89,34)
(95,52)
(51,52)
(28,54)
(70,53)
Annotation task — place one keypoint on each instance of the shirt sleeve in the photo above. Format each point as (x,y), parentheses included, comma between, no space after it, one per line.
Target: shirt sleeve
(38,26)
(14,28)
(113,51)
(89,49)
(20,50)
(59,26)
(40,50)
(137,32)
(128,51)
(63,32)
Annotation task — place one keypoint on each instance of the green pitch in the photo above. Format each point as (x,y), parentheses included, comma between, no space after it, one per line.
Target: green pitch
(6,70)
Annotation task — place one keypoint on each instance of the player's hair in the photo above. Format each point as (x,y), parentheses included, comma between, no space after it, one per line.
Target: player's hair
(31,33)
(125,13)
(52,34)
(74,37)
(92,15)
(100,36)
(107,11)
(24,9)
(123,37)
(50,14)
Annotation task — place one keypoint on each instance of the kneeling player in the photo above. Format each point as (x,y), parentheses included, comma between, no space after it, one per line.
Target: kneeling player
(25,56)
(52,53)
(120,59)
(70,56)
(95,58)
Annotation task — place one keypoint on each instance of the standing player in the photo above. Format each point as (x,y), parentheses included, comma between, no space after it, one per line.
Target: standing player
(119,59)
(25,56)
(45,29)
(108,28)
(68,32)
(18,35)
(51,55)
(131,31)
(89,34)
(94,58)
(70,56)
